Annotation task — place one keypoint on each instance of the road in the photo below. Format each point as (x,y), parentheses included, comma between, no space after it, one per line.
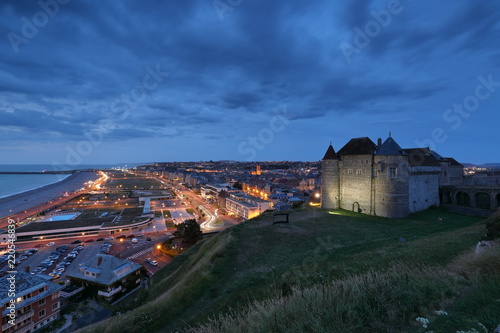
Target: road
(180,214)
(210,224)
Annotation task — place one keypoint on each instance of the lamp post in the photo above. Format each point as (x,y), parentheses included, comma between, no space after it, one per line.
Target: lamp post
(317,196)
(158,247)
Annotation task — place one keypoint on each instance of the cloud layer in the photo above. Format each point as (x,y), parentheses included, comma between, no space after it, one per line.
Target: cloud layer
(70,68)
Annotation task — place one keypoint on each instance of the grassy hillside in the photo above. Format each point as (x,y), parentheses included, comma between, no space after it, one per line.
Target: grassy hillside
(325,271)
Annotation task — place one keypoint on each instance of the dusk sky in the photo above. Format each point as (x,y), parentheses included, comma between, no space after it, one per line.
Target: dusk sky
(87,82)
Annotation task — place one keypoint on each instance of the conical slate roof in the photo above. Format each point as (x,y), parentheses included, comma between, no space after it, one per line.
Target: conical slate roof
(390,147)
(330,154)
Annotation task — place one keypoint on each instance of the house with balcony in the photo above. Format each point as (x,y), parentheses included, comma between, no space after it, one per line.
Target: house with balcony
(107,276)
(33,302)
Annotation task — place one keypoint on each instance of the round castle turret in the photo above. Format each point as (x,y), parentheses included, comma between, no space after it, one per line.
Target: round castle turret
(391,186)
(330,182)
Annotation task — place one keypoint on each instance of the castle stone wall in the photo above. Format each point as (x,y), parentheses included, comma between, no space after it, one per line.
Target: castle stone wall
(423,187)
(330,184)
(391,194)
(355,179)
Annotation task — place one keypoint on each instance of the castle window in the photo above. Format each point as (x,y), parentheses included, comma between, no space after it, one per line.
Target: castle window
(359,171)
(349,171)
(392,172)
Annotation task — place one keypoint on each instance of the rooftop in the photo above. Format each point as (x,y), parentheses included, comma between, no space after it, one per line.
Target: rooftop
(26,283)
(422,157)
(53,225)
(108,269)
(330,154)
(358,146)
(390,147)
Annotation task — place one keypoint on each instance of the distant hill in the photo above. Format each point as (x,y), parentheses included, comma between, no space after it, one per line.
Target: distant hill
(485,165)
(490,165)
(324,271)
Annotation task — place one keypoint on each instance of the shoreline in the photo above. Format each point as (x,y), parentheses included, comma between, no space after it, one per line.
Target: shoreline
(25,200)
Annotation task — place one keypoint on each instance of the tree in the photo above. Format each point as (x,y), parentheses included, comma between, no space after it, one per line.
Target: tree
(189,232)
(238,186)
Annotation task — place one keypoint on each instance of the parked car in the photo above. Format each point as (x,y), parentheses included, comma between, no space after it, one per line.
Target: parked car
(39,245)
(50,244)
(148,260)
(89,240)
(99,239)
(140,235)
(154,262)
(134,240)
(148,239)
(109,238)
(76,241)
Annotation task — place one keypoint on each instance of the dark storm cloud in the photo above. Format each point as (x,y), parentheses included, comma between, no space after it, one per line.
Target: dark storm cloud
(261,56)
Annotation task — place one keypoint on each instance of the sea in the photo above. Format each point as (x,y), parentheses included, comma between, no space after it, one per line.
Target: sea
(11,184)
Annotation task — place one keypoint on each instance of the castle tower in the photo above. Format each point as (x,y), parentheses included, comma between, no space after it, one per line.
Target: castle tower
(330,182)
(391,180)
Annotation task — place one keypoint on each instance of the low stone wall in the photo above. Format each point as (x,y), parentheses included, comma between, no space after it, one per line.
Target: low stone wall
(469,210)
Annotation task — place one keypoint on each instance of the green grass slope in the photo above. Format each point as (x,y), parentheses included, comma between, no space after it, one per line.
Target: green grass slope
(323,272)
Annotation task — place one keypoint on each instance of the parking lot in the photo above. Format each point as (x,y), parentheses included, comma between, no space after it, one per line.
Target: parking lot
(88,250)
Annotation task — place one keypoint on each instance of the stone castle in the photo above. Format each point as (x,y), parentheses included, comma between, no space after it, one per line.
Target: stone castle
(384,179)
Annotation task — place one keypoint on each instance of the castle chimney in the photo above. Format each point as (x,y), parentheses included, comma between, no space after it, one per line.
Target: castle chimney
(379,142)
(99,260)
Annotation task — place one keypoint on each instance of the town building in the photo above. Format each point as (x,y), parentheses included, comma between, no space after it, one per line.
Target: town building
(384,179)
(36,302)
(246,206)
(108,276)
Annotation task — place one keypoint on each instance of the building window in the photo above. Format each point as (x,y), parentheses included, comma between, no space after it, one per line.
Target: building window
(359,171)
(349,171)
(41,302)
(55,306)
(41,313)
(392,172)
(55,295)
(41,290)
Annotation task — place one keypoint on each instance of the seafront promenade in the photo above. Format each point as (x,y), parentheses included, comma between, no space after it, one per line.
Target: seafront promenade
(38,197)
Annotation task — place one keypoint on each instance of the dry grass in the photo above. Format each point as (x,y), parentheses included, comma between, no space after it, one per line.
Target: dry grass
(372,302)
(484,265)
